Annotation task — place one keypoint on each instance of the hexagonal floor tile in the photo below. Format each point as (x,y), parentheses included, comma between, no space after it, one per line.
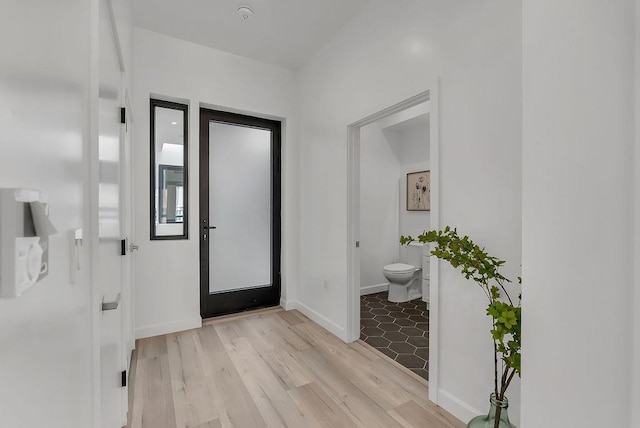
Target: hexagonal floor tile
(396,336)
(387,326)
(418,342)
(372,331)
(418,318)
(412,311)
(411,361)
(422,373)
(397,315)
(423,353)
(405,326)
(412,331)
(388,352)
(405,322)
(378,342)
(375,304)
(369,322)
(383,318)
(402,347)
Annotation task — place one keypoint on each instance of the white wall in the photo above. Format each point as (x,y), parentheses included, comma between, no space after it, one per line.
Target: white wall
(414,156)
(379,194)
(167,272)
(578,213)
(383,56)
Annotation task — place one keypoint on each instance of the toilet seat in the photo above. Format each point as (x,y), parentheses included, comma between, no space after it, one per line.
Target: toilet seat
(400,268)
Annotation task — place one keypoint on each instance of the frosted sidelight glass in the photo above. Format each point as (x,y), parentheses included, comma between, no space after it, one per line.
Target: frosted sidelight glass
(239,207)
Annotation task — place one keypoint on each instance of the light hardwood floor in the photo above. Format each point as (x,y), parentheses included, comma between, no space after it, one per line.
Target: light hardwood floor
(273,369)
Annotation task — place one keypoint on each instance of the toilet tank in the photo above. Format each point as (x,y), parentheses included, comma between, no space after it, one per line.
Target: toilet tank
(413,254)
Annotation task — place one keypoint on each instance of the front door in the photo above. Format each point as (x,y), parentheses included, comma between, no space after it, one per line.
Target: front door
(239,212)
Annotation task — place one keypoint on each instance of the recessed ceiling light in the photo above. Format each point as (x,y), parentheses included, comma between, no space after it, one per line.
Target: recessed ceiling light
(245,12)
(174,123)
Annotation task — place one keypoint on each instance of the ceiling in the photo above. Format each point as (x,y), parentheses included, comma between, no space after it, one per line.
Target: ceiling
(281,32)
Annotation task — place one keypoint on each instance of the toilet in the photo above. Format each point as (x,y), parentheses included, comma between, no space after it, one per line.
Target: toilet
(405,279)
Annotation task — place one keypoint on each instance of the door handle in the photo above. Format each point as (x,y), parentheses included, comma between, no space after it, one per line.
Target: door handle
(111,306)
(208,227)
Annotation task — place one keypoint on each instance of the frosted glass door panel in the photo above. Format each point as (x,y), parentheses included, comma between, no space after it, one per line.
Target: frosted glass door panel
(239,207)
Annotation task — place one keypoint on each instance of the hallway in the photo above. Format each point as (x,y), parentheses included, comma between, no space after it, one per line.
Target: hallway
(273,368)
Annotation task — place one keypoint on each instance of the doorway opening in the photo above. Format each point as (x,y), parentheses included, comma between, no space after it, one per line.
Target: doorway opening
(393,183)
(240,205)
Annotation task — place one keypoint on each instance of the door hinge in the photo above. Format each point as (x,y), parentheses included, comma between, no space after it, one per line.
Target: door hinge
(357,244)
(123,115)
(124,378)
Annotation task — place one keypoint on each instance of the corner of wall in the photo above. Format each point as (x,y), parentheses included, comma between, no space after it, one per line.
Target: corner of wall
(457,407)
(316,317)
(168,327)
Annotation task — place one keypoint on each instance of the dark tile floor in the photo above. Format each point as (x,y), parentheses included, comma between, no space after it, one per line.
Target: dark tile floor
(399,330)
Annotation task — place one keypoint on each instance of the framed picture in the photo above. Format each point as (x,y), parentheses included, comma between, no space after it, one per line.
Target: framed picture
(419,191)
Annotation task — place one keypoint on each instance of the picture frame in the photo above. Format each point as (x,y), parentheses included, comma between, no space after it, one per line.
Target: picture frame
(419,191)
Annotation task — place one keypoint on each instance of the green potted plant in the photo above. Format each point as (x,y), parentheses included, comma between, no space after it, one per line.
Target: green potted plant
(475,264)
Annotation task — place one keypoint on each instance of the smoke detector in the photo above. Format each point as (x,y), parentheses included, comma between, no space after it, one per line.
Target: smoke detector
(245,12)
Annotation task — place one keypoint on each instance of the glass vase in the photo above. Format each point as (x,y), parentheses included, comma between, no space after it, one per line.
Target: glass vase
(488,421)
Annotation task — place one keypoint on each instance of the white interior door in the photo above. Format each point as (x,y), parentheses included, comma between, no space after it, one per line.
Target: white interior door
(110,260)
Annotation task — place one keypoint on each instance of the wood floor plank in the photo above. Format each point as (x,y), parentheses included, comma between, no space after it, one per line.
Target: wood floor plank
(419,417)
(367,352)
(211,424)
(158,398)
(136,392)
(131,381)
(355,402)
(275,405)
(320,408)
(278,355)
(291,317)
(234,403)
(152,347)
(379,388)
(273,369)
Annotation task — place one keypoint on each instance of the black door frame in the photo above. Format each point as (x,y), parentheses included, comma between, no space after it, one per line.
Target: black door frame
(240,300)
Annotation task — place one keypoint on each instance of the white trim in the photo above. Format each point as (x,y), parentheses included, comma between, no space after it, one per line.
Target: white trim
(353,232)
(434,268)
(377,288)
(353,223)
(168,327)
(287,305)
(116,36)
(457,407)
(90,229)
(319,319)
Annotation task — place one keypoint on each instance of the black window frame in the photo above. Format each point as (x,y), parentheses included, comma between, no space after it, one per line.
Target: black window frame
(154,103)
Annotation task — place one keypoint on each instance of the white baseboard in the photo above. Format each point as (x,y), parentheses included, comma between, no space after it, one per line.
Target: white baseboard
(457,407)
(319,319)
(287,305)
(168,327)
(377,288)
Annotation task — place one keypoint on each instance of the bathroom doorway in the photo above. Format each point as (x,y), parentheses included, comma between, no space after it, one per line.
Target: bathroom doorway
(391,152)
